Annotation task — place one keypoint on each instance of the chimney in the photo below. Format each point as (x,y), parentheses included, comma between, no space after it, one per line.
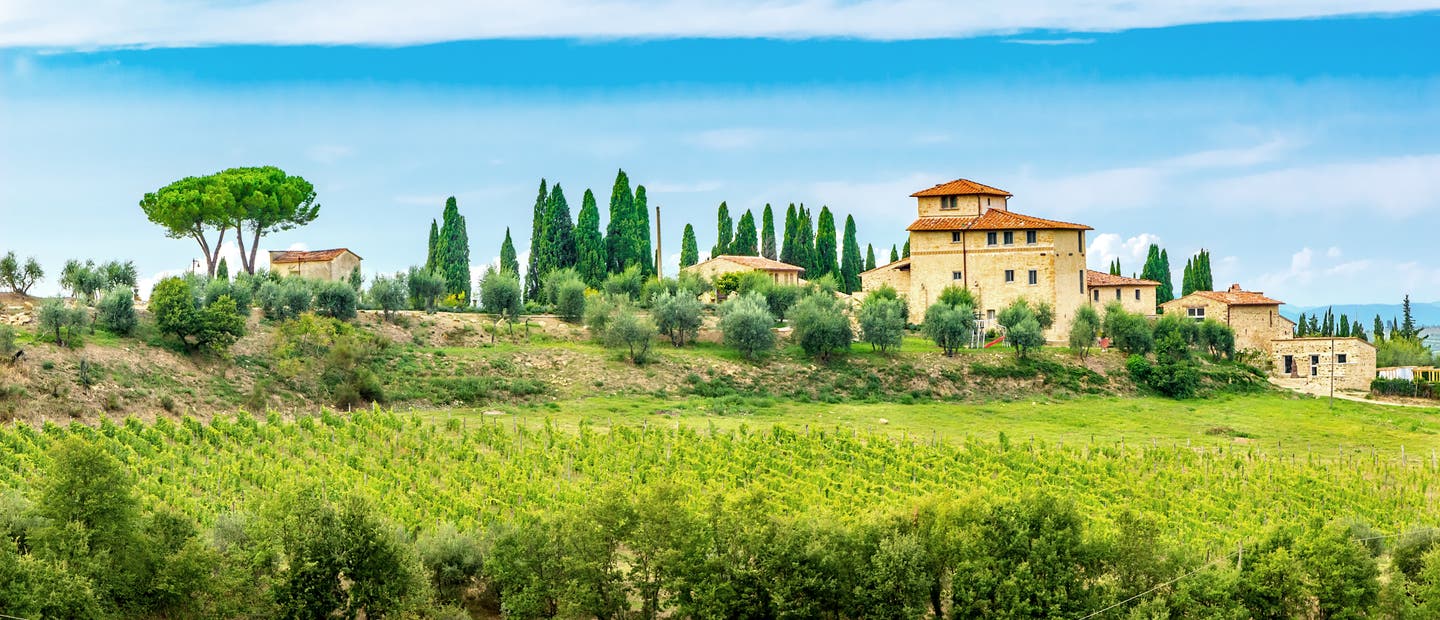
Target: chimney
(1235,288)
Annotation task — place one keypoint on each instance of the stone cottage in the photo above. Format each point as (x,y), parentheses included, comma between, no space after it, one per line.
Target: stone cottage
(335,264)
(781,273)
(966,235)
(1254,317)
(1314,361)
(1134,294)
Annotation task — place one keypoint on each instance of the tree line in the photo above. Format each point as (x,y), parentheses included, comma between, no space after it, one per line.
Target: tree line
(807,241)
(82,546)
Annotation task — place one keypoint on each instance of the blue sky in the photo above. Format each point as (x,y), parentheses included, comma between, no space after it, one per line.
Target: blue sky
(1301,146)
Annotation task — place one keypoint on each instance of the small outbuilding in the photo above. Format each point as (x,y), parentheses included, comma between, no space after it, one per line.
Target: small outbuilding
(1315,361)
(782,273)
(1133,294)
(1254,317)
(334,264)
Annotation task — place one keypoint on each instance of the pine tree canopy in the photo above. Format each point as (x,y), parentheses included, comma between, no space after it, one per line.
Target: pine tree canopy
(589,245)
(767,233)
(746,242)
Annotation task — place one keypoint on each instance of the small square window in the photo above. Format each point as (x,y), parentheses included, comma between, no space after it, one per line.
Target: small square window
(1034,276)
(1030,237)
(1341,358)
(989,315)
(1137,294)
(990,238)
(1009,275)
(955,236)
(956,275)
(1097,294)
(1117,293)
(1009,238)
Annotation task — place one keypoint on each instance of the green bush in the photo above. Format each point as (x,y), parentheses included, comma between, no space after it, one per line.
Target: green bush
(630,331)
(336,300)
(216,288)
(782,297)
(500,294)
(566,292)
(1084,328)
(7,343)
(1411,549)
(746,325)
(1217,338)
(950,327)
(1127,331)
(286,299)
(820,326)
(1025,326)
(63,323)
(882,321)
(677,315)
(116,311)
(627,283)
(388,295)
(425,288)
(1403,387)
(212,329)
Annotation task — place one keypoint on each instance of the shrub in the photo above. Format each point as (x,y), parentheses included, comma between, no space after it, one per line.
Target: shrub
(781,297)
(957,296)
(174,308)
(213,329)
(219,287)
(1217,338)
(425,287)
(335,299)
(566,292)
(745,324)
(453,559)
(820,325)
(65,324)
(598,312)
(1083,330)
(1187,330)
(1129,332)
(388,295)
(7,343)
(1403,387)
(1411,549)
(627,283)
(882,321)
(677,315)
(500,294)
(220,326)
(285,299)
(951,327)
(116,311)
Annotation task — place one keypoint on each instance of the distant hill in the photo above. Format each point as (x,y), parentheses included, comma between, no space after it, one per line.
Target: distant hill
(1425,313)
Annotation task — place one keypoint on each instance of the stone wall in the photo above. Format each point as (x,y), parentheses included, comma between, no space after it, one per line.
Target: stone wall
(1102,296)
(338,268)
(1255,326)
(967,206)
(1310,361)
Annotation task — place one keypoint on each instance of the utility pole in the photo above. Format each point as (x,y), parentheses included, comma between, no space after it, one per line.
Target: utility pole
(659,271)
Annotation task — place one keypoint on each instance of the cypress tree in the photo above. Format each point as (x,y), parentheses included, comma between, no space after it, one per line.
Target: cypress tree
(894,254)
(589,245)
(537,246)
(1342,326)
(222,271)
(792,224)
(1167,288)
(1327,325)
(1356,331)
(689,251)
(640,247)
(906,252)
(724,231)
(869,256)
(745,242)
(1204,278)
(1115,267)
(767,233)
(1187,280)
(1314,328)
(805,243)
(1301,326)
(1379,329)
(559,234)
(452,252)
(433,245)
(826,262)
(508,261)
(851,264)
(1408,330)
(617,230)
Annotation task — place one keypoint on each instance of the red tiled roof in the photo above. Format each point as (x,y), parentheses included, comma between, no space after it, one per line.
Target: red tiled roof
(758,262)
(1100,278)
(1236,297)
(994,219)
(312,256)
(941,223)
(960,187)
(899,264)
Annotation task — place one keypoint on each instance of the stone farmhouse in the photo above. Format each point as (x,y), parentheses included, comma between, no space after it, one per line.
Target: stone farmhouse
(1254,317)
(966,235)
(1133,294)
(781,273)
(333,264)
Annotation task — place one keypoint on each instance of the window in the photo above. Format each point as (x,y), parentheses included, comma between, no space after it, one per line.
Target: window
(1082,243)
(1314,365)
(989,315)
(955,236)
(990,238)
(1009,275)
(949,202)
(1081,279)
(1137,294)
(1097,294)
(1030,237)
(1034,276)
(1009,238)
(1196,313)
(1341,358)
(1117,294)
(955,275)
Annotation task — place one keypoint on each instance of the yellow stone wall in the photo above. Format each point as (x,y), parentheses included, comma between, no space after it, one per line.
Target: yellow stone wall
(337,269)
(1314,355)
(1102,296)
(896,278)
(967,206)
(712,268)
(1255,326)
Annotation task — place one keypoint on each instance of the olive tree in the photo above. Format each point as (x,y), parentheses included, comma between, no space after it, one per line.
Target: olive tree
(65,323)
(1128,331)
(1083,330)
(950,322)
(335,299)
(820,325)
(677,315)
(566,292)
(882,321)
(500,295)
(746,325)
(388,294)
(19,278)
(116,311)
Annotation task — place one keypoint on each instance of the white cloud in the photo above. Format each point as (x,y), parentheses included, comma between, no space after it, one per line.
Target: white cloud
(1333,252)
(1106,247)
(1395,186)
(1313,280)
(169,23)
(1064,41)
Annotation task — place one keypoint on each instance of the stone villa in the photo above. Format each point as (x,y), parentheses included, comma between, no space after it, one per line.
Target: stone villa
(966,235)
(333,264)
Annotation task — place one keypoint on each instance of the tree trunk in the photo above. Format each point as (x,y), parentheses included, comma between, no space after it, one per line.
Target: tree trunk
(254,246)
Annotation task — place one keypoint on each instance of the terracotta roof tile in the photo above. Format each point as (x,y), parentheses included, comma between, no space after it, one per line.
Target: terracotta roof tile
(960,187)
(312,256)
(994,219)
(758,262)
(899,264)
(1100,278)
(1234,296)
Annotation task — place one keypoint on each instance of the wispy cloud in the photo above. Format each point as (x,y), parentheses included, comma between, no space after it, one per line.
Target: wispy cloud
(1063,41)
(169,23)
(1381,274)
